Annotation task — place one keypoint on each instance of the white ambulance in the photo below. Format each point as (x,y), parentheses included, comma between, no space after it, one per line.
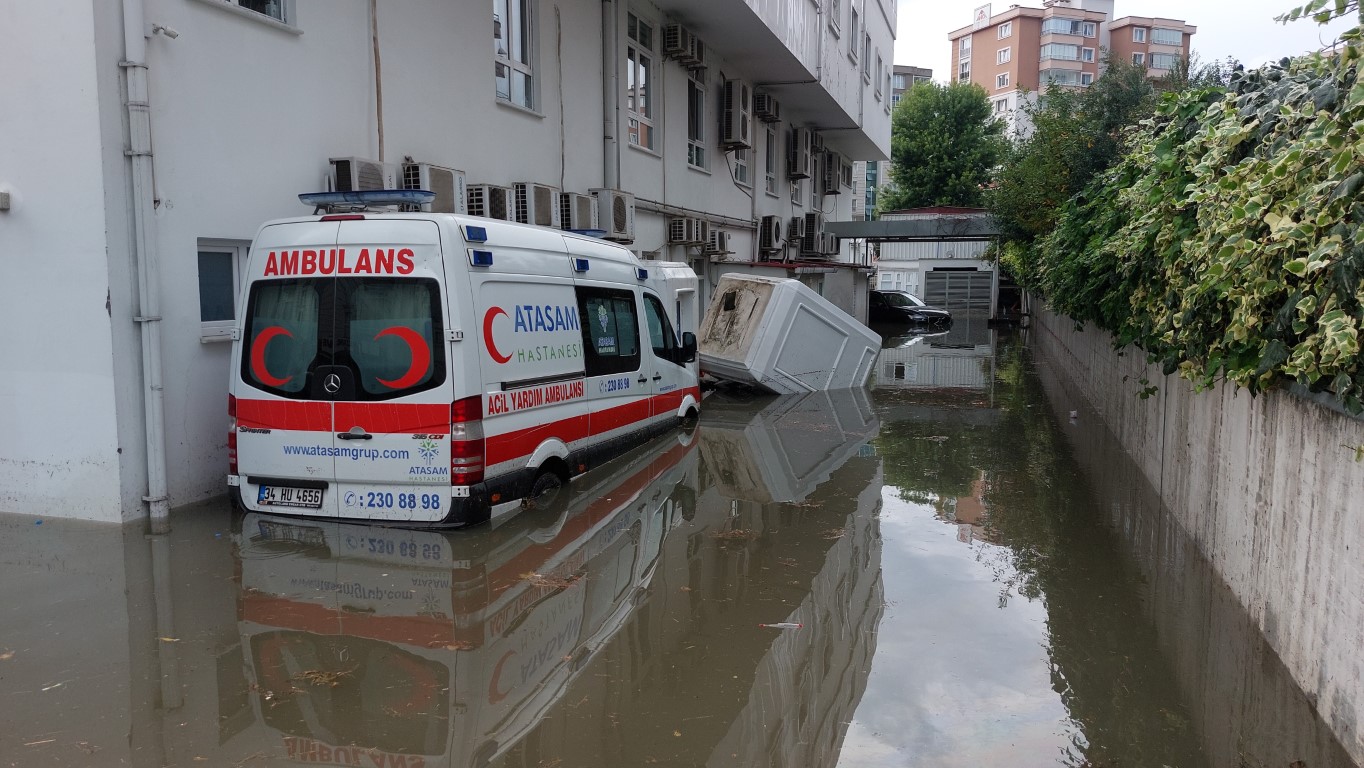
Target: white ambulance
(427,369)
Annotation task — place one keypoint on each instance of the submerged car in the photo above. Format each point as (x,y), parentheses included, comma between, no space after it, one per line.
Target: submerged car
(901,307)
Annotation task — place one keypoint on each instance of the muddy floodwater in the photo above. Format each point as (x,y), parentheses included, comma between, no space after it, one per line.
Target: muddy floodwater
(956,567)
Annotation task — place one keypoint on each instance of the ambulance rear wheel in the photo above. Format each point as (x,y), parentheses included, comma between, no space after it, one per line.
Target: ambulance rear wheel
(546,487)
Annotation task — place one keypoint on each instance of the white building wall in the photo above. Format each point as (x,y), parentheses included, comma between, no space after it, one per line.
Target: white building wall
(59,450)
(245,113)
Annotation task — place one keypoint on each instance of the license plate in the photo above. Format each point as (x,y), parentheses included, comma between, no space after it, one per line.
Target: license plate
(300,534)
(284,496)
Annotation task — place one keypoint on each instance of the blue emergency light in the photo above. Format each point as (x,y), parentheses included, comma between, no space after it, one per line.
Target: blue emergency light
(641,273)
(367,197)
(480,258)
(580,265)
(475,234)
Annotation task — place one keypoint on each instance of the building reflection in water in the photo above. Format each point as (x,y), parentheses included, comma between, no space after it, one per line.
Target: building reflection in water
(620,626)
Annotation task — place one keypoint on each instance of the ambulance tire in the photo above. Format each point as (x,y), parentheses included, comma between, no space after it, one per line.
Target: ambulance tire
(546,487)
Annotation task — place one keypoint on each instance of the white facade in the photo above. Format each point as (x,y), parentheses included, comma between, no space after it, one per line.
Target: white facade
(245,111)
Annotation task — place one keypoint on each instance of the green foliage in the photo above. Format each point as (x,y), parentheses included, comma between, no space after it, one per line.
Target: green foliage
(1322,11)
(1227,242)
(1075,134)
(945,144)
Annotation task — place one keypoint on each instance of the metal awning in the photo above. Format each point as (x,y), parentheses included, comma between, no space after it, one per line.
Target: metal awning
(936,228)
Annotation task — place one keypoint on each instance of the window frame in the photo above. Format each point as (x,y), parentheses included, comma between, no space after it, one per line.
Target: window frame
(697,158)
(595,363)
(1004,55)
(527,10)
(964,70)
(1138,34)
(1004,31)
(222,330)
(289,11)
(1089,29)
(1172,57)
(1002,80)
(1139,58)
(1087,55)
(854,34)
(772,156)
(1086,78)
(641,65)
(1179,37)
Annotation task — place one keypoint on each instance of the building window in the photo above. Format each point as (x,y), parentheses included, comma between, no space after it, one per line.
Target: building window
(1138,34)
(964,48)
(639,81)
(879,70)
(964,71)
(1002,81)
(1086,78)
(1060,25)
(220,264)
(1005,30)
(1004,55)
(1164,60)
(1089,29)
(741,167)
(1087,54)
(835,15)
(513,40)
(866,56)
(696,122)
(770,161)
(1061,51)
(1139,59)
(275,9)
(899,82)
(1001,106)
(845,173)
(1167,37)
(854,37)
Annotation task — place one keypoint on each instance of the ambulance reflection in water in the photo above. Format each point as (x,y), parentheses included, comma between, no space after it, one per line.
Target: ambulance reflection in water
(378,647)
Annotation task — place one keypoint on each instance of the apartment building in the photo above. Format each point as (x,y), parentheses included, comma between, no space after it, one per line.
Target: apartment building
(869,177)
(148,139)
(1016,54)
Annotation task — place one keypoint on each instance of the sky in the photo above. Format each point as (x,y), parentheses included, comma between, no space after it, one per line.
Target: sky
(1244,29)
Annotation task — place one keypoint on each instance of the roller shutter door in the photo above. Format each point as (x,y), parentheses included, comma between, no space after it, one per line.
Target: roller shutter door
(960,292)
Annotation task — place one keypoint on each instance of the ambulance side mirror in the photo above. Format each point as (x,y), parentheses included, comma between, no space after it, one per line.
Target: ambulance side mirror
(688,351)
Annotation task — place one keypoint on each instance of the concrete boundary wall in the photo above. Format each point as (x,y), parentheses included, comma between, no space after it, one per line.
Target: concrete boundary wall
(1266,487)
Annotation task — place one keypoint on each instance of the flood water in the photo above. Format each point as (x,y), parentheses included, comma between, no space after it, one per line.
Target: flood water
(960,574)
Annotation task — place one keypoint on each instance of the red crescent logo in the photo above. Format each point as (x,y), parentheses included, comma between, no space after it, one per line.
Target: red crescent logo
(495,695)
(488,334)
(258,356)
(421,356)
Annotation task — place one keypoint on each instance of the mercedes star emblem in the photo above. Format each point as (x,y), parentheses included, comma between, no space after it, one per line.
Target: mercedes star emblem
(332,383)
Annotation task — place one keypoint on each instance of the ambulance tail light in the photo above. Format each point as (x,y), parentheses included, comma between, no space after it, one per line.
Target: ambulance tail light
(466,441)
(231,435)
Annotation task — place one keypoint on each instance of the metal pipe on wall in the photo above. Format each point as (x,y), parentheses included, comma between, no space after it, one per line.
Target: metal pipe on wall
(139,153)
(610,97)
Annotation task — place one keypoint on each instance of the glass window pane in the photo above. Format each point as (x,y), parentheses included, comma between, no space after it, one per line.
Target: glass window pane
(521,93)
(502,79)
(645,80)
(392,339)
(217,290)
(282,335)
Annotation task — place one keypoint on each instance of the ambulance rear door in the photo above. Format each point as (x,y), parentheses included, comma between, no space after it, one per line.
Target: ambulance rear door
(393,359)
(285,443)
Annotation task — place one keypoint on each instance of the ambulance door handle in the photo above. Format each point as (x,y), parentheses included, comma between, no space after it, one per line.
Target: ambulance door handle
(658,377)
(643,380)
(355,435)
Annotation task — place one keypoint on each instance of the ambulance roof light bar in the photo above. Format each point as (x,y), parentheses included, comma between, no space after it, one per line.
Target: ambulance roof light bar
(348,202)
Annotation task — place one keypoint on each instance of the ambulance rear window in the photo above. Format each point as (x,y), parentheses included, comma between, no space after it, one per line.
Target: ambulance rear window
(382,337)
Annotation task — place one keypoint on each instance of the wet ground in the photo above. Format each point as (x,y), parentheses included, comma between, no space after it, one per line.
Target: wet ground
(957,568)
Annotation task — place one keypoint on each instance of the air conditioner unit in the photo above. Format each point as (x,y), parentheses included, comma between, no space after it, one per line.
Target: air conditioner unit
(536,204)
(795,233)
(688,231)
(816,143)
(491,201)
(616,214)
(447,183)
(798,154)
(677,42)
(696,57)
(813,241)
(831,244)
(769,234)
(735,120)
(577,211)
(830,169)
(718,243)
(766,108)
(356,174)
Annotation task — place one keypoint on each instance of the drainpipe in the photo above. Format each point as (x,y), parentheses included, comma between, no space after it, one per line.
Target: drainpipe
(145,260)
(610,170)
(378,75)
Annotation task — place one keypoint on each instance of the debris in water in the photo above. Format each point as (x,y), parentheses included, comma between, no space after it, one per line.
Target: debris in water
(169,639)
(835,533)
(782,625)
(939,439)
(36,743)
(320,677)
(737,533)
(6,655)
(550,582)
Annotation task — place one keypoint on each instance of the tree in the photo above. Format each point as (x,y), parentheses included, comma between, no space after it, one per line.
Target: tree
(945,145)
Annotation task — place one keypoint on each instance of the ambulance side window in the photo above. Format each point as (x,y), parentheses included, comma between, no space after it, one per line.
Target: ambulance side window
(610,330)
(661,336)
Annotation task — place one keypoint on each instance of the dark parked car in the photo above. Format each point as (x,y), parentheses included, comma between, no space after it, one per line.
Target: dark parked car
(906,308)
